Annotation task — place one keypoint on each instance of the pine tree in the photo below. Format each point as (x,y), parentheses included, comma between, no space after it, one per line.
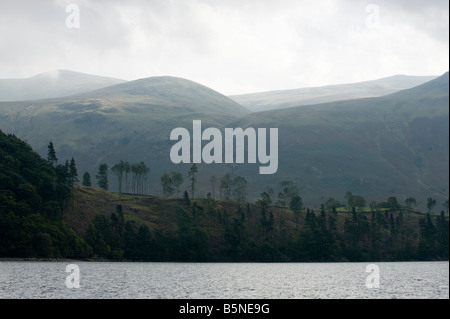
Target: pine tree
(51,156)
(86,179)
(73,174)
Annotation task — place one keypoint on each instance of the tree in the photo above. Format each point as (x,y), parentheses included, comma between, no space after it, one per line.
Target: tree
(213,181)
(239,189)
(410,201)
(358,201)
(431,203)
(73,174)
(288,192)
(264,204)
(118,170)
(177,181)
(193,178)
(127,170)
(349,199)
(331,203)
(167,186)
(446,205)
(295,205)
(186,199)
(102,176)
(226,186)
(393,203)
(51,156)
(139,179)
(86,179)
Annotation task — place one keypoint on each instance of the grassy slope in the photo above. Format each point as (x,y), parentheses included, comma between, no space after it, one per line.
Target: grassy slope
(160,213)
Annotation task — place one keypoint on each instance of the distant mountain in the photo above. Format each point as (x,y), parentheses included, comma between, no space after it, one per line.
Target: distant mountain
(53,84)
(274,100)
(130,121)
(395,145)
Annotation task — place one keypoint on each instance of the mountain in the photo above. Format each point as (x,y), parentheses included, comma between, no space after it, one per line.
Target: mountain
(53,84)
(274,100)
(395,145)
(129,121)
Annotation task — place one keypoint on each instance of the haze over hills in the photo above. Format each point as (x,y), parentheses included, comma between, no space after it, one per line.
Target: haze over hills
(274,100)
(394,145)
(52,84)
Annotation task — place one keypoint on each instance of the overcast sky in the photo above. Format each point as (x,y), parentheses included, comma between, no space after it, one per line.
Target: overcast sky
(232,46)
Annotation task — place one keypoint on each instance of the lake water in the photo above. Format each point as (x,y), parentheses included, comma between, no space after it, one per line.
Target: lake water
(114,280)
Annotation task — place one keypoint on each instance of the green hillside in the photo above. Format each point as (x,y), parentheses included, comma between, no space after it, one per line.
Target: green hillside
(206,229)
(43,214)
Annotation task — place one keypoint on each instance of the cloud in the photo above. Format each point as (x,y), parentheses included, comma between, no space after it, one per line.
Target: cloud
(232,46)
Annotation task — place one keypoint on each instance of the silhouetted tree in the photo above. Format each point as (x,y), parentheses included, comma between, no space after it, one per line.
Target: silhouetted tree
(118,170)
(73,174)
(226,186)
(167,185)
(295,205)
(410,201)
(51,156)
(86,179)
(102,176)
(431,203)
(193,178)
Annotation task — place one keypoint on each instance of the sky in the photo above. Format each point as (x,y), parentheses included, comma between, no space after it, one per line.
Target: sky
(232,46)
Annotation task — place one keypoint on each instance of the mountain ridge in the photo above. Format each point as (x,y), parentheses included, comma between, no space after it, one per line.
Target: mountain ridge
(280,99)
(52,84)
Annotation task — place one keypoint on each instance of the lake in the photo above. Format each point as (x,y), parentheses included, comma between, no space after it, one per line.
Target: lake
(135,280)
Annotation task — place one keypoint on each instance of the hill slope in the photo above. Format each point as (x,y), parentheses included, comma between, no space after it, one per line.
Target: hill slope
(396,144)
(275,100)
(163,229)
(43,215)
(130,121)
(53,84)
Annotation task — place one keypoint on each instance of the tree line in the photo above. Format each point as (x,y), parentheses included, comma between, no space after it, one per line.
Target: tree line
(229,188)
(131,177)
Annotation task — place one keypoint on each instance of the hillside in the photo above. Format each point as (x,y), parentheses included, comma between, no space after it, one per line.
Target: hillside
(397,144)
(43,214)
(275,100)
(53,84)
(130,121)
(164,229)
(394,145)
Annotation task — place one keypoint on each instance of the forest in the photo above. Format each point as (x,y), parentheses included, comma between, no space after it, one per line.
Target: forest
(40,198)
